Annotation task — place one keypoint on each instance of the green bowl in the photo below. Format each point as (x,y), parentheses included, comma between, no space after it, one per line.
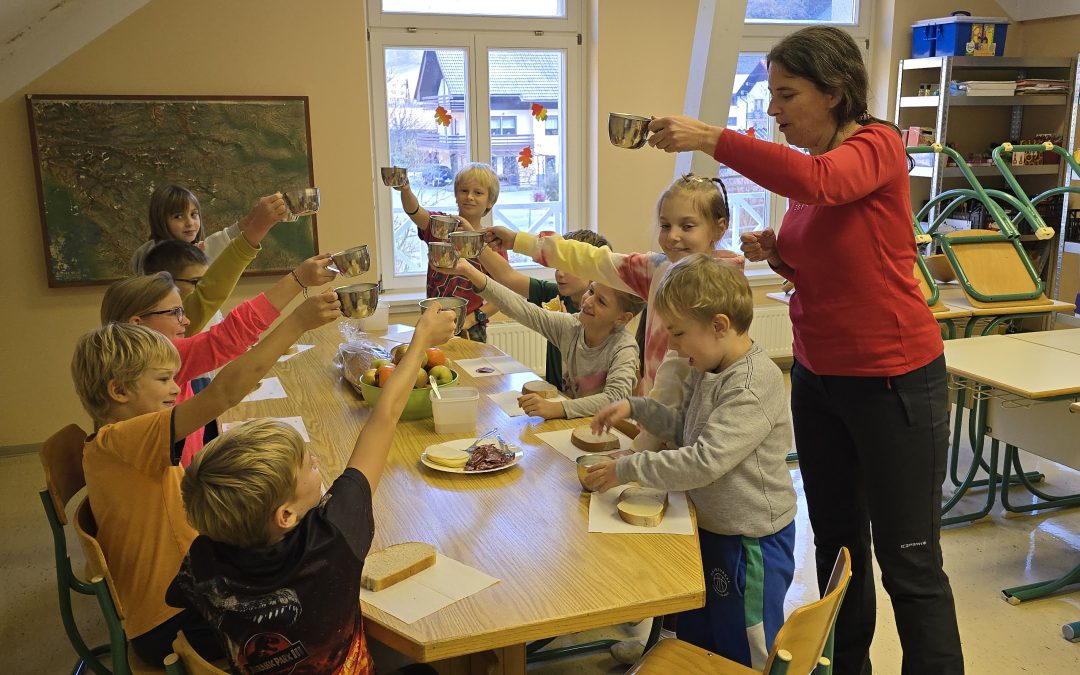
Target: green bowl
(419,405)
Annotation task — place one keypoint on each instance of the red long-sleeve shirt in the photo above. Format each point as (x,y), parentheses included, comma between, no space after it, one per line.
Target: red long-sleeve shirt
(847,245)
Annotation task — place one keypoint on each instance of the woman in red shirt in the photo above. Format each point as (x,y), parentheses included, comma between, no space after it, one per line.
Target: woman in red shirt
(868,383)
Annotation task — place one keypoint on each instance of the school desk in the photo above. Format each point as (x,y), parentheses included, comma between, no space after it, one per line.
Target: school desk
(1023,387)
(955,300)
(526,526)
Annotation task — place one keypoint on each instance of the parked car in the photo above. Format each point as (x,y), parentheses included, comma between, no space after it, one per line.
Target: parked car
(436,175)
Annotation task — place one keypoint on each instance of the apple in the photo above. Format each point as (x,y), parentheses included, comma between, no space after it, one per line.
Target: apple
(383,374)
(369,377)
(435,357)
(398,353)
(379,363)
(442,374)
(421,379)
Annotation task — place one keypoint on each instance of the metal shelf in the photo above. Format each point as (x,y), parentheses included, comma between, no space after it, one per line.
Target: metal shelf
(986,62)
(957,101)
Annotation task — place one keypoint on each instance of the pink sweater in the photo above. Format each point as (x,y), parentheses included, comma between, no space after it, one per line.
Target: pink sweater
(217,346)
(847,246)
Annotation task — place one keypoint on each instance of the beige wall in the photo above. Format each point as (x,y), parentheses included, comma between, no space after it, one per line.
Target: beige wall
(249,47)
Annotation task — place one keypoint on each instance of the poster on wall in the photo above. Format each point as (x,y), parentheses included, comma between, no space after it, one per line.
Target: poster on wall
(98,159)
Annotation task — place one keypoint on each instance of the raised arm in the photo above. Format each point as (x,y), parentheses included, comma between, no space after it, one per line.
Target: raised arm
(240,376)
(218,283)
(308,274)
(411,204)
(557,327)
(619,384)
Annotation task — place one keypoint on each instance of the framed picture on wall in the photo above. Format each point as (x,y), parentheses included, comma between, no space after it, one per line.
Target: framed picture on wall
(98,159)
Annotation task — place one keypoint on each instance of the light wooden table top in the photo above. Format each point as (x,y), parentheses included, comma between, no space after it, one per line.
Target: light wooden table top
(955,299)
(1018,366)
(527,526)
(1065,340)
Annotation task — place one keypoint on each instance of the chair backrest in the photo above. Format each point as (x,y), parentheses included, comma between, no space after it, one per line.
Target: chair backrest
(61,457)
(192,662)
(806,631)
(86,529)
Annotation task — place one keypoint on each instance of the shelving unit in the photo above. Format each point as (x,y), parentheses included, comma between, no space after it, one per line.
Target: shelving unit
(977,123)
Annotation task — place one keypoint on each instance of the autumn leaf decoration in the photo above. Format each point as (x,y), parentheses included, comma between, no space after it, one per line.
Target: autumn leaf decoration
(539,112)
(751,133)
(525,157)
(443,116)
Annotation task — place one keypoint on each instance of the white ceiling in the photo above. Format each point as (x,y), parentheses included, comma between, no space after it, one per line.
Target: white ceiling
(16,15)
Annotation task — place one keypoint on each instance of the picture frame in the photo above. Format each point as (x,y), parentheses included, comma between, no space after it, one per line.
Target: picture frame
(97,159)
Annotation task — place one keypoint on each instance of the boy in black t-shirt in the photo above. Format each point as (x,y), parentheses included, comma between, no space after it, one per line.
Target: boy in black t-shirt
(276,567)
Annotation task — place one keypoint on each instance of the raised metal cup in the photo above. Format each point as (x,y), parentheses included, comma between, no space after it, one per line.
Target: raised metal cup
(458,305)
(442,226)
(467,244)
(627,131)
(351,261)
(358,300)
(442,254)
(301,202)
(394,176)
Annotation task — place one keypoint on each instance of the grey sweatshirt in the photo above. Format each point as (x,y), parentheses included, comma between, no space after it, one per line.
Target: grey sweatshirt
(593,377)
(734,432)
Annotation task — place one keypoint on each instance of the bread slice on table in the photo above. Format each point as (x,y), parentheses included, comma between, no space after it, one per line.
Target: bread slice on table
(544,389)
(643,507)
(387,567)
(586,440)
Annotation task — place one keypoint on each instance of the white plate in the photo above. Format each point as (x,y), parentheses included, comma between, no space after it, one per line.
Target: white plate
(461,444)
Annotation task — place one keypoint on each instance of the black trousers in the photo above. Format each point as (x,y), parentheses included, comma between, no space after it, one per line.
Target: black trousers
(155,644)
(872,455)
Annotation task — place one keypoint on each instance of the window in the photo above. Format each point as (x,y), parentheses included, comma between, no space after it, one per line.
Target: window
(840,12)
(520,8)
(442,99)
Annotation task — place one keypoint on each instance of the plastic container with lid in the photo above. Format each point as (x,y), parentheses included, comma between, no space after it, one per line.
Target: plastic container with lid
(959,35)
(456,411)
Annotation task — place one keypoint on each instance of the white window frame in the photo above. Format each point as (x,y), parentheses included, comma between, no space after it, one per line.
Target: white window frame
(477,44)
(571,22)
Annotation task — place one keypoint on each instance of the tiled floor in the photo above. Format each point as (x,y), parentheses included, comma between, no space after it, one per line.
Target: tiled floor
(980,558)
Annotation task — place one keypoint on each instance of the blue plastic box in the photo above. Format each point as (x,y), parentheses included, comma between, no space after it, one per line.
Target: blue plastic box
(959,35)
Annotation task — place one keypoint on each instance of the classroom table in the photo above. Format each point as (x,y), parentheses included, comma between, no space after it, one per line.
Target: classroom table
(526,526)
(954,298)
(1024,386)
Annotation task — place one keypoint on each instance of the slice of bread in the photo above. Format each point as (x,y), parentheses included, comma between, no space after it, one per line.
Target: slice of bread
(544,389)
(396,563)
(448,457)
(643,507)
(586,440)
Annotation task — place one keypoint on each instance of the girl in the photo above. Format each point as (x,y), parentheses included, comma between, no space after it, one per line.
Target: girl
(154,301)
(175,214)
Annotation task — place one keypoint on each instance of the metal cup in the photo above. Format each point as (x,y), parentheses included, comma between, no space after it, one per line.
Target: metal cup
(627,131)
(467,244)
(442,226)
(351,261)
(583,464)
(442,254)
(358,300)
(394,176)
(458,305)
(301,202)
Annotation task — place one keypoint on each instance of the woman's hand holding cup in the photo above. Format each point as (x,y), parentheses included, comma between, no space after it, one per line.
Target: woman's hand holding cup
(678,133)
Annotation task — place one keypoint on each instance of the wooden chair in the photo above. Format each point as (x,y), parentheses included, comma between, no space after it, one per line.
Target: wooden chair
(186,661)
(802,646)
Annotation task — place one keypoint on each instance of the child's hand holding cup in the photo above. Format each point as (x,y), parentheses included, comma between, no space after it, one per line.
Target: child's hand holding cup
(500,238)
(435,327)
(318,310)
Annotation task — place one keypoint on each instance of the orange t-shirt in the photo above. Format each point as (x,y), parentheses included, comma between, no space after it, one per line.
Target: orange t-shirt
(134,491)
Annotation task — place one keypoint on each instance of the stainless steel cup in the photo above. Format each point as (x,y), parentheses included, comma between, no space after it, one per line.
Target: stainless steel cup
(394,176)
(583,464)
(301,202)
(467,244)
(458,305)
(442,254)
(351,261)
(442,226)
(358,300)
(627,131)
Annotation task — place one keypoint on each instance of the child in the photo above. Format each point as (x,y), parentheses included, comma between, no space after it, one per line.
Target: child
(124,377)
(562,295)
(599,355)
(733,432)
(153,301)
(476,189)
(268,538)
(175,214)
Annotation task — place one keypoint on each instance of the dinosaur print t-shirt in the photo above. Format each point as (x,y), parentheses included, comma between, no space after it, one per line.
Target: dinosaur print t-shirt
(292,607)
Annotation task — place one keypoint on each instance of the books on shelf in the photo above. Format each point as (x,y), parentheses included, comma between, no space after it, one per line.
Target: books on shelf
(1041,86)
(982,88)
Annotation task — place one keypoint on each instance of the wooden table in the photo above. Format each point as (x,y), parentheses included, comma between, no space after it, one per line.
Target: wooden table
(1024,386)
(956,301)
(527,526)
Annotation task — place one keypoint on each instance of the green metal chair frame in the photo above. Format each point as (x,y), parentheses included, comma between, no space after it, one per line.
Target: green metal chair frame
(54,499)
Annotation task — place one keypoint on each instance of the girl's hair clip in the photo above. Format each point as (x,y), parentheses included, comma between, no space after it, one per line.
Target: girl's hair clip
(692,178)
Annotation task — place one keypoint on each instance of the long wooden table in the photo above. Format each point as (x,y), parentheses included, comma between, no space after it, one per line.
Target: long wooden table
(527,526)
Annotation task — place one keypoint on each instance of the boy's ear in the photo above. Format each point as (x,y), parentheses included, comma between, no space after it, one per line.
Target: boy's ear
(137,320)
(284,517)
(117,392)
(721,324)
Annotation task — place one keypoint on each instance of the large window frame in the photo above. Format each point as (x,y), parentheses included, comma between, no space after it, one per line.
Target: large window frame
(478,36)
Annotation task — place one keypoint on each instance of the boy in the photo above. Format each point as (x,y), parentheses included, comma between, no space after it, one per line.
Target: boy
(476,189)
(124,377)
(271,545)
(562,295)
(734,431)
(599,356)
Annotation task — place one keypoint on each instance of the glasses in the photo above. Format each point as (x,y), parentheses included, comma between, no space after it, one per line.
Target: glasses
(193,282)
(176,312)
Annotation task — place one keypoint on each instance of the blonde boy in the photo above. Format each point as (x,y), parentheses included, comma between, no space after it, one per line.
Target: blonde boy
(732,432)
(271,545)
(476,189)
(124,377)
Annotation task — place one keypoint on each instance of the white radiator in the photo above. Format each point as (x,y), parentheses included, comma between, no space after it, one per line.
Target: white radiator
(524,344)
(772,330)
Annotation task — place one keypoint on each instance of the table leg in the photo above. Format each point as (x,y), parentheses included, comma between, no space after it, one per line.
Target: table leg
(992,480)
(1038,589)
(1048,501)
(505,661)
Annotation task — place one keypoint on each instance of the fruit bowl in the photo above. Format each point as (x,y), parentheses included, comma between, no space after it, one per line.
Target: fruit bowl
(419,404)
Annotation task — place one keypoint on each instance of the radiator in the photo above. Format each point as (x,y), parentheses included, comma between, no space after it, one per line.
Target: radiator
(772,330)
(524,344)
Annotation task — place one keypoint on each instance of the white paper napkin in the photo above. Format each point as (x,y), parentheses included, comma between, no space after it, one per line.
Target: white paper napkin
(295,422)
(268,388)
(507,402)
(561,443)
(781,297)
(495,365)
(293,351)
(604,515)
(429,591)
